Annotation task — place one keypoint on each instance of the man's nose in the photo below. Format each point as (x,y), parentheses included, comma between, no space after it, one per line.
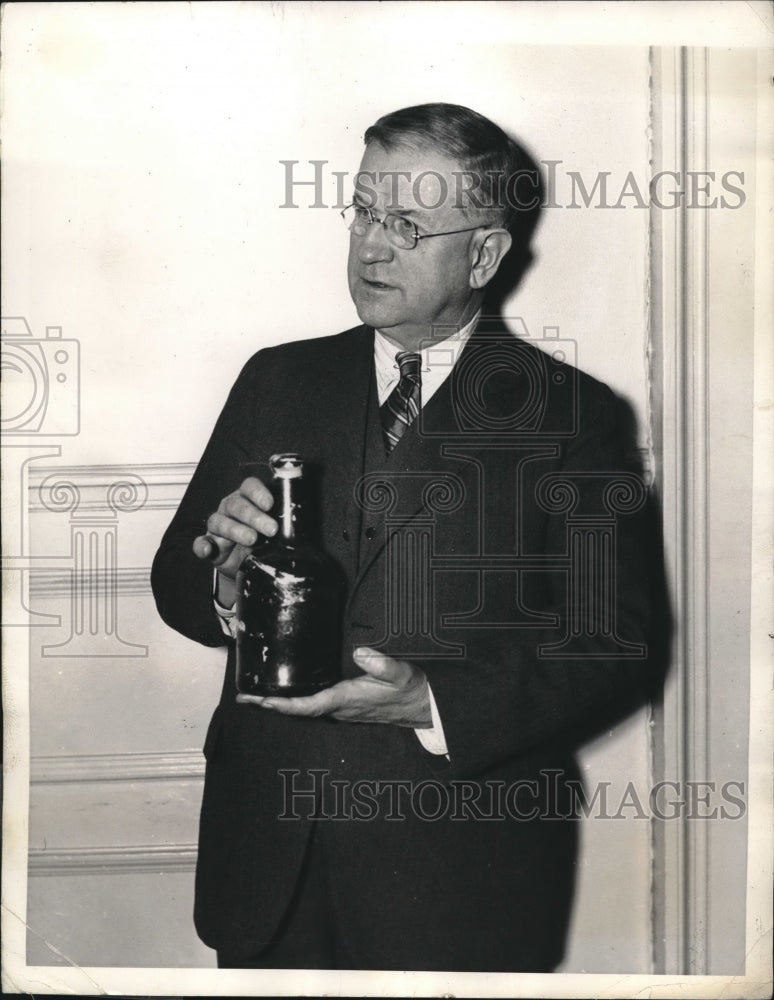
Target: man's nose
(374,245)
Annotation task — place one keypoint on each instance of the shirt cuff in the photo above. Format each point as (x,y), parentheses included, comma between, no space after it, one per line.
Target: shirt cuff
(226,616)
(433,740)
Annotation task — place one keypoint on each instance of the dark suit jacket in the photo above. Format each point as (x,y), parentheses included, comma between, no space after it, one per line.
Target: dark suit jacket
(470,551)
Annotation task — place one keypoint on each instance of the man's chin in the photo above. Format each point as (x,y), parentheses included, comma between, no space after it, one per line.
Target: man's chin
(379,318)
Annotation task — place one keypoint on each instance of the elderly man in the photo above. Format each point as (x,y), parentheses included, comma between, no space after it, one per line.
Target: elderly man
(419,814)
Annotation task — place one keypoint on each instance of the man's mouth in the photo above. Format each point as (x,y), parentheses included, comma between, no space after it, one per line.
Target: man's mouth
(375,284)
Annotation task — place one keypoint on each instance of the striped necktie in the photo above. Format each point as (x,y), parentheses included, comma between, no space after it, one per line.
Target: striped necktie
(402,405)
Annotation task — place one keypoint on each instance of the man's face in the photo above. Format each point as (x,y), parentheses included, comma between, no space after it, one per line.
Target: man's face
(406,292)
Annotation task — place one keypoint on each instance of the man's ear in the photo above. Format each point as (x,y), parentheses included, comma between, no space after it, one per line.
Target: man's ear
(487,256)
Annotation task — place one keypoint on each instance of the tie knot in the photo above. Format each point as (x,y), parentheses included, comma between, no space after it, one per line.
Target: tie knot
(410,365)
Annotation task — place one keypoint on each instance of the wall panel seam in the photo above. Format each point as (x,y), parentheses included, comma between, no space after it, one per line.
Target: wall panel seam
(154,766)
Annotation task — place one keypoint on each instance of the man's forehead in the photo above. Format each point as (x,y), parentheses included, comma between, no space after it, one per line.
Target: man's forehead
(412,179)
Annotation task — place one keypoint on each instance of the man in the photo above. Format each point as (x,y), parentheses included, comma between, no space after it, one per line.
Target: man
(418,814)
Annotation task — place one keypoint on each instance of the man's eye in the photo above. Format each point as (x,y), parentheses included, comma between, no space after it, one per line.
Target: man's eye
(361,214)
(403,227)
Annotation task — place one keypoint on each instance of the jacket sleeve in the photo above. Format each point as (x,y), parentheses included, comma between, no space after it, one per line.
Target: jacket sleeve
(183,584)
(512,694)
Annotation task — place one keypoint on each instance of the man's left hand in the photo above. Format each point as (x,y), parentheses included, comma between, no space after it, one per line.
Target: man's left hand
(390,691)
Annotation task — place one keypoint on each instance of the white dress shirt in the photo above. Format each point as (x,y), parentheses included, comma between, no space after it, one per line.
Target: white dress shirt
(437,362)
(438,359)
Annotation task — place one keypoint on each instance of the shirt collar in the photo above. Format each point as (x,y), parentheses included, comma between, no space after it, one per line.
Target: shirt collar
(438,357)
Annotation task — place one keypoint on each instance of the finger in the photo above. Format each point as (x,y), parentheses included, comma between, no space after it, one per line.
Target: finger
(256,492)
(214,549)
(242,509)
(232,530)
(204,547)
(322,703)
(250,699)
(379,665)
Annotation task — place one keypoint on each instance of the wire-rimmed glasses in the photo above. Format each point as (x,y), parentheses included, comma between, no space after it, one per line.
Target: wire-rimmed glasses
(400,231)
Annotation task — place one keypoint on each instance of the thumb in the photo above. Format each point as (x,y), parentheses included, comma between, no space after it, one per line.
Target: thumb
(378,665)
(207,547)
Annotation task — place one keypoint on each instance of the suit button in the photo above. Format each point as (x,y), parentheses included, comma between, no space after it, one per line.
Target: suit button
(345,535)
(370,533)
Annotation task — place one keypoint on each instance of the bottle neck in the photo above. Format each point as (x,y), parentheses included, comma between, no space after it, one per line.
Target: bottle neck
(290,512)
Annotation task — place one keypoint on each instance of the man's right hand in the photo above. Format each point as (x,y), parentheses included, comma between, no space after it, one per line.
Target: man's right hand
(240,520)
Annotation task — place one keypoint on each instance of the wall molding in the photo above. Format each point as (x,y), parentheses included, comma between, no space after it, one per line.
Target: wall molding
(45,583)
(100,489)
(679,323)
(88,503)
(60,769)
(165,765)
(130,860)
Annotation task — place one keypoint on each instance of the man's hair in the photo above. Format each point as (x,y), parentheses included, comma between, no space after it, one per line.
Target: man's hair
(505,181)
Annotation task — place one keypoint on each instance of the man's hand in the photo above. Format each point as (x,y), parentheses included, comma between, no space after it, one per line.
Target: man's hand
(233,530)
(391,691)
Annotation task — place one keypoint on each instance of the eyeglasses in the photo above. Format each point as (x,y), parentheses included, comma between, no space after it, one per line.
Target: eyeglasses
(401,232)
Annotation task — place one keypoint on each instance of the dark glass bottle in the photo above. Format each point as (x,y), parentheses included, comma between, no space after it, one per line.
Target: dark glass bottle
(289,600)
